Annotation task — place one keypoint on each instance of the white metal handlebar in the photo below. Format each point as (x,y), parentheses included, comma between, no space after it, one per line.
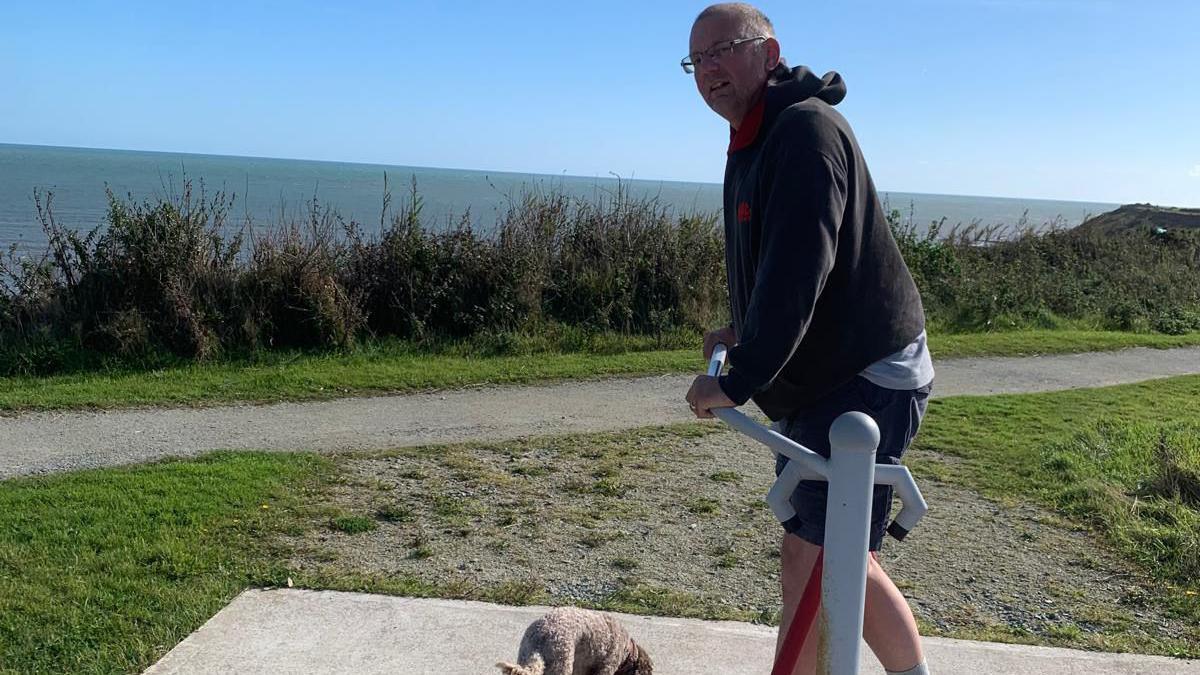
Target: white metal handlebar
(804,464)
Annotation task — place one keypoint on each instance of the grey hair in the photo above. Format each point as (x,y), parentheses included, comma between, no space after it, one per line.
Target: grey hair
(749,16)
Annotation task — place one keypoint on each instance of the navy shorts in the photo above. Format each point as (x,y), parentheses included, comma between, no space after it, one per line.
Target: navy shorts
(898,414)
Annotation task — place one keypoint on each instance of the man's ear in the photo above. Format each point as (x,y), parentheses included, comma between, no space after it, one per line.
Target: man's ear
(772,47)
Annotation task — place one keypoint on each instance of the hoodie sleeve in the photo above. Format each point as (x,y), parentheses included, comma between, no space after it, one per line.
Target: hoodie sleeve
(805,197)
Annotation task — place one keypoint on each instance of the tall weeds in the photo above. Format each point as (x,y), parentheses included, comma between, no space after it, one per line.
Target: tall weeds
(165,279)
(161,278)
(1038,277)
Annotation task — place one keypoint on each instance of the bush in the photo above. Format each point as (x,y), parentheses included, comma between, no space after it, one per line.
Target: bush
(163,279)
(171,279)
(419,284)
(292,293)
(1176,321)
(973,279)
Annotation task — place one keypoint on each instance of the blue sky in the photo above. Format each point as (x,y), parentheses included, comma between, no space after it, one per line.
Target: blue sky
(1094,100)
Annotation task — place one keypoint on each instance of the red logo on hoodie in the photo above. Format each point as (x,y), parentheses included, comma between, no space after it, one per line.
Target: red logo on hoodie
(743,213)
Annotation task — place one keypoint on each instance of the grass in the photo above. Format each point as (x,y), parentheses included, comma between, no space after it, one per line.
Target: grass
(1069,341)
(106,570)
(703,506)
(1139,483)
(392,513)
(1123,460)
(352,524)
(399,368)
(320,377)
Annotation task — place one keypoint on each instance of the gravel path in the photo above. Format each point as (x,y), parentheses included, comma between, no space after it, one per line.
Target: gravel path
(677,515)
(49,442)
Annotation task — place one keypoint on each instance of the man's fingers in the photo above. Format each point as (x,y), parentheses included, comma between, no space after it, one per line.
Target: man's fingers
(703,394)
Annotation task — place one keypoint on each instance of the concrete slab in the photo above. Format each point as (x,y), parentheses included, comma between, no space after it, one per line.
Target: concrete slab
(295,631)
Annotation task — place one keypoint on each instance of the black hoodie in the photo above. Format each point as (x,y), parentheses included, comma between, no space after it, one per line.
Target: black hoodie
(818,289)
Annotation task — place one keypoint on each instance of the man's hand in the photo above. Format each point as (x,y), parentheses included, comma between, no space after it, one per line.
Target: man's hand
(706,394)
(712,338)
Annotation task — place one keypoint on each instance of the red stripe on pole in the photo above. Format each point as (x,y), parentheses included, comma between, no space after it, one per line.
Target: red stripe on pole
(802,621)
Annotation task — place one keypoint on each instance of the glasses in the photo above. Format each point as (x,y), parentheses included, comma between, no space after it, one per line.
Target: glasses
(716,52)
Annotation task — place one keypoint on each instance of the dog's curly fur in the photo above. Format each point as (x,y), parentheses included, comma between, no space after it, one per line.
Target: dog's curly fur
(573,641)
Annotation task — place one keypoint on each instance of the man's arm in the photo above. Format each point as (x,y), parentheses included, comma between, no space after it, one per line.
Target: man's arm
(800,231)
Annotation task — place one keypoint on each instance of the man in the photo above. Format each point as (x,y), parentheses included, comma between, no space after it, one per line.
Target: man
(826,317)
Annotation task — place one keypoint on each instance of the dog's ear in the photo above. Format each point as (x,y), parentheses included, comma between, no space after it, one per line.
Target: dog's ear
(645,665)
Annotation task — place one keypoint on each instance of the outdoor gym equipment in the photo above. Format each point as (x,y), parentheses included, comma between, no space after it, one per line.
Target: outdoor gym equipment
(839,579)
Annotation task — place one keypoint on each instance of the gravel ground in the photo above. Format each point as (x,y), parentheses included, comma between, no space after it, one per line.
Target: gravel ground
(676,517)
(50,442)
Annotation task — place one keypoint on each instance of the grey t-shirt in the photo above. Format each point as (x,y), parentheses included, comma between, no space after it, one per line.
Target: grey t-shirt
(910,368)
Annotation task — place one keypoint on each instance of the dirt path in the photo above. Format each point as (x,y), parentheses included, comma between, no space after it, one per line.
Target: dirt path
(50,442)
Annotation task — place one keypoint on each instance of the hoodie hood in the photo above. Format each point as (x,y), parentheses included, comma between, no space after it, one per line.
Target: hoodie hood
(785,87)
(792,85)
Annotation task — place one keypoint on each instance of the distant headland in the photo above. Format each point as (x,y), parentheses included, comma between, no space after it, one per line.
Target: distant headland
(1142,216)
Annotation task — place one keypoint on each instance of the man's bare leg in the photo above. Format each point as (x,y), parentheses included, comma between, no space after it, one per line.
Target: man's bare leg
(797,558)
(888,624)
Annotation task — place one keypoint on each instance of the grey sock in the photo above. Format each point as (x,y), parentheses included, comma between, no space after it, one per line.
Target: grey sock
(920,669)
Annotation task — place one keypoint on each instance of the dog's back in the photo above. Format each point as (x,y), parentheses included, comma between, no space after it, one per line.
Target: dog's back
(571,641)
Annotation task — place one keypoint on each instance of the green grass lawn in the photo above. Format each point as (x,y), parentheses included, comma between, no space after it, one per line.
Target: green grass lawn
(398,369)
(1123,460)
(1030,342)
(106,570)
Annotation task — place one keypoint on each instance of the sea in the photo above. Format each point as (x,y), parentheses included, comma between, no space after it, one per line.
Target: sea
(268,191)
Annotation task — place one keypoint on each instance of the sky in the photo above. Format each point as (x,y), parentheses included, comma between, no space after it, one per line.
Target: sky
(1091,100)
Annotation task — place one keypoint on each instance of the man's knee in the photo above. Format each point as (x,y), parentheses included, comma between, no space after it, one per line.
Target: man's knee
(875,571)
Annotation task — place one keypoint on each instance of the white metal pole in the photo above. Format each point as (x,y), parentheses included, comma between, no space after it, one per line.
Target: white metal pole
(853,439)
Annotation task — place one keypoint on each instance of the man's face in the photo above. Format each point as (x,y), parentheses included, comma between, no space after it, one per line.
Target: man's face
(729,84)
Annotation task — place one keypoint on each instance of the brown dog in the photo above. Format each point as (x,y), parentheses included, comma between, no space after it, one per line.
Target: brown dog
(573,641)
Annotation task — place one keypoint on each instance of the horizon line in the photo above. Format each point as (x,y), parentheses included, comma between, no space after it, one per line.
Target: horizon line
(611,176)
